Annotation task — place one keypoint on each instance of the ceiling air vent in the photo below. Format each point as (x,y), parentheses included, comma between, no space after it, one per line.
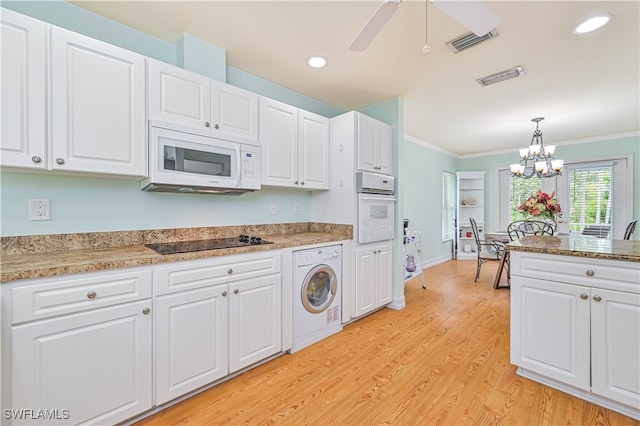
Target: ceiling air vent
(501,76)
(469,40)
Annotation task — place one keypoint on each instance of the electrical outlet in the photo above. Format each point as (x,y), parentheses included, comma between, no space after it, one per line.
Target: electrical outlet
(39,210)
(273,209)
(296,209)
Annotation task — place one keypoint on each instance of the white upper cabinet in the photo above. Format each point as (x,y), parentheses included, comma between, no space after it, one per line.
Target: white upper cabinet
(295,146)
(181,96)
(23,71)
(178,95)
(374,145)
(97,106)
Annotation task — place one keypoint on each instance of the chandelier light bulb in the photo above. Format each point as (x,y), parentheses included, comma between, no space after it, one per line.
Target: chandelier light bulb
(534,149)
(549,150)
(557,165)
(524,153)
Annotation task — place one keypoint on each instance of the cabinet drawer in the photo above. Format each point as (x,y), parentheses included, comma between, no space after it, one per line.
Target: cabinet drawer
(64,296)
(601,273)
(223,269)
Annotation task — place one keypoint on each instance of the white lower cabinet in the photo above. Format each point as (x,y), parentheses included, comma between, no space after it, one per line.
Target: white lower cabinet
(580,331)
(90,366)
(373,287)
(218,326)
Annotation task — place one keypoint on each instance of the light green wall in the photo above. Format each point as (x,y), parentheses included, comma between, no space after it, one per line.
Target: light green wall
(421,176)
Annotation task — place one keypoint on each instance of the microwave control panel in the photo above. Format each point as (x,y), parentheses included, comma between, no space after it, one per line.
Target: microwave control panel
(250,170)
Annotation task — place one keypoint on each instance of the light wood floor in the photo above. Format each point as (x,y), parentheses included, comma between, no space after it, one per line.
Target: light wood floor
(443,360)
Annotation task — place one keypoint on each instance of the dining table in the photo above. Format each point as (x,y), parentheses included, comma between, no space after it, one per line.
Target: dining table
(502,238)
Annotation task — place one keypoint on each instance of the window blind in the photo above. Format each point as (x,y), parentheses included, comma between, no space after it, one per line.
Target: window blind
(520,190)
(590,196)
(448,206)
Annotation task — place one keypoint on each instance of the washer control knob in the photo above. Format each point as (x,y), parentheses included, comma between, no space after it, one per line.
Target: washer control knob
(335,254)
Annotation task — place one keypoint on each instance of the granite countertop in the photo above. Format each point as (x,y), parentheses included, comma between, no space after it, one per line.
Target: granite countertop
(581,246)
(34,263)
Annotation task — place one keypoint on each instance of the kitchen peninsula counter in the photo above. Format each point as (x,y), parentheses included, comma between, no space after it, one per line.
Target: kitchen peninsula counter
(580,246)
(51,255)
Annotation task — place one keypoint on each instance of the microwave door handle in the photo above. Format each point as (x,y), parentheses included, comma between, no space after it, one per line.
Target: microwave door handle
(238,165)
(378,199)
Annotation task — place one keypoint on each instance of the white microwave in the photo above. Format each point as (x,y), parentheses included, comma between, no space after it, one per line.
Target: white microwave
(182,159)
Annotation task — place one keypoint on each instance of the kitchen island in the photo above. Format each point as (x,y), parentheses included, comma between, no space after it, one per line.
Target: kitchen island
(575,317)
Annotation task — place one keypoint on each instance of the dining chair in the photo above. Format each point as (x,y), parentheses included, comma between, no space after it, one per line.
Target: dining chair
(631,227)
(487,251)
(523,228)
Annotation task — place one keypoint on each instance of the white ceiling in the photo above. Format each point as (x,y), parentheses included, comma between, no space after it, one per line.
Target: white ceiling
(586,86)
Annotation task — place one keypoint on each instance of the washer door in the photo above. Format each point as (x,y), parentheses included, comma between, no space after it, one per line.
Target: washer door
(319,289)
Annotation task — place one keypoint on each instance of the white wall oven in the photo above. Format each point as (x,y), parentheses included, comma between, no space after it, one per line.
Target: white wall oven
(183,160)
(376,207)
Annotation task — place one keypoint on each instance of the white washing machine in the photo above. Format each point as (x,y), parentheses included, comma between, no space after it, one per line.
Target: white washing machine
(317,281)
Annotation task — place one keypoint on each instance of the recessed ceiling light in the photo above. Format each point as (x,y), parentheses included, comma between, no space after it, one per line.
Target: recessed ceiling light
(592,24)
(316,61)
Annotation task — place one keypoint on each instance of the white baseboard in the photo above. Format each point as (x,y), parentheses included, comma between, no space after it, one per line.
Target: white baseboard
(436,261)
(397,303)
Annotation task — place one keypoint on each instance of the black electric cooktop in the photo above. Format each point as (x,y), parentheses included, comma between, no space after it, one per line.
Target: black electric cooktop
(211,244)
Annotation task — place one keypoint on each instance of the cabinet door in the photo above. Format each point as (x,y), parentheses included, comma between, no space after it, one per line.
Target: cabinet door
(550,330)
(384,266)
(23,91)
(366,279)
(255,318)
(384,148)
(234,112)
(96,365)
(178,95)
(313,142)
(191,340)
(279,143)
(615,346)
(97,106)
(366,144)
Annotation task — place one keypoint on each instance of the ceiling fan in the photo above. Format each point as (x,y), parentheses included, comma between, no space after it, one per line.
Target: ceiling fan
(471,14)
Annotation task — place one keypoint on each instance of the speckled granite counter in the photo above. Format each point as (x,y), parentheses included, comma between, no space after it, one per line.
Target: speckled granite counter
(581,246)
(49,255)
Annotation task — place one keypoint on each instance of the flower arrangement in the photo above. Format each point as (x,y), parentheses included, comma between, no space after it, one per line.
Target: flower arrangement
(541,204)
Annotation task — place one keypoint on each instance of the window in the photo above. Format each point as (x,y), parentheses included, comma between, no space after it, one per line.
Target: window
(590,196)
(448,206)
(591,193)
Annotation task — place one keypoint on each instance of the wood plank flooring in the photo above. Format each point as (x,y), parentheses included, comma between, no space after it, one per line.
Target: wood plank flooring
(443,360)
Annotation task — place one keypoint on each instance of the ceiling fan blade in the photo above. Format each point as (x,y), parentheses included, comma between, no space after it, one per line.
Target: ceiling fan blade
(471,14)
(375,24)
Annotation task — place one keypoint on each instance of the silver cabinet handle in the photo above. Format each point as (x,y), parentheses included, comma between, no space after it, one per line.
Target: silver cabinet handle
(229,271)
(36,159)
(216,126)
(236,291)
(597,298)
(224,293)
(60,160)
(207,124)
(91,295)
(584,296)
(146,311)
(590,273)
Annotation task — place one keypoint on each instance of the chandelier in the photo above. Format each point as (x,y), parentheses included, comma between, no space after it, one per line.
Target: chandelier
(537,159)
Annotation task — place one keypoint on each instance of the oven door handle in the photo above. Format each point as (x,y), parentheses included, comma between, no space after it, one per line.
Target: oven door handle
(238,165)
(378,199)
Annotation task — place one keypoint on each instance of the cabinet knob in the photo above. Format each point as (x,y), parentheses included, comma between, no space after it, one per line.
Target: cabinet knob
(216,126)
(302,183)
(584,296)
(91,295)
(229,271)
(295,183)
(207,124)
(597,298)
(590,273)
(146,311)
(60,160)
(224,293)
(236,291)
(36,159)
